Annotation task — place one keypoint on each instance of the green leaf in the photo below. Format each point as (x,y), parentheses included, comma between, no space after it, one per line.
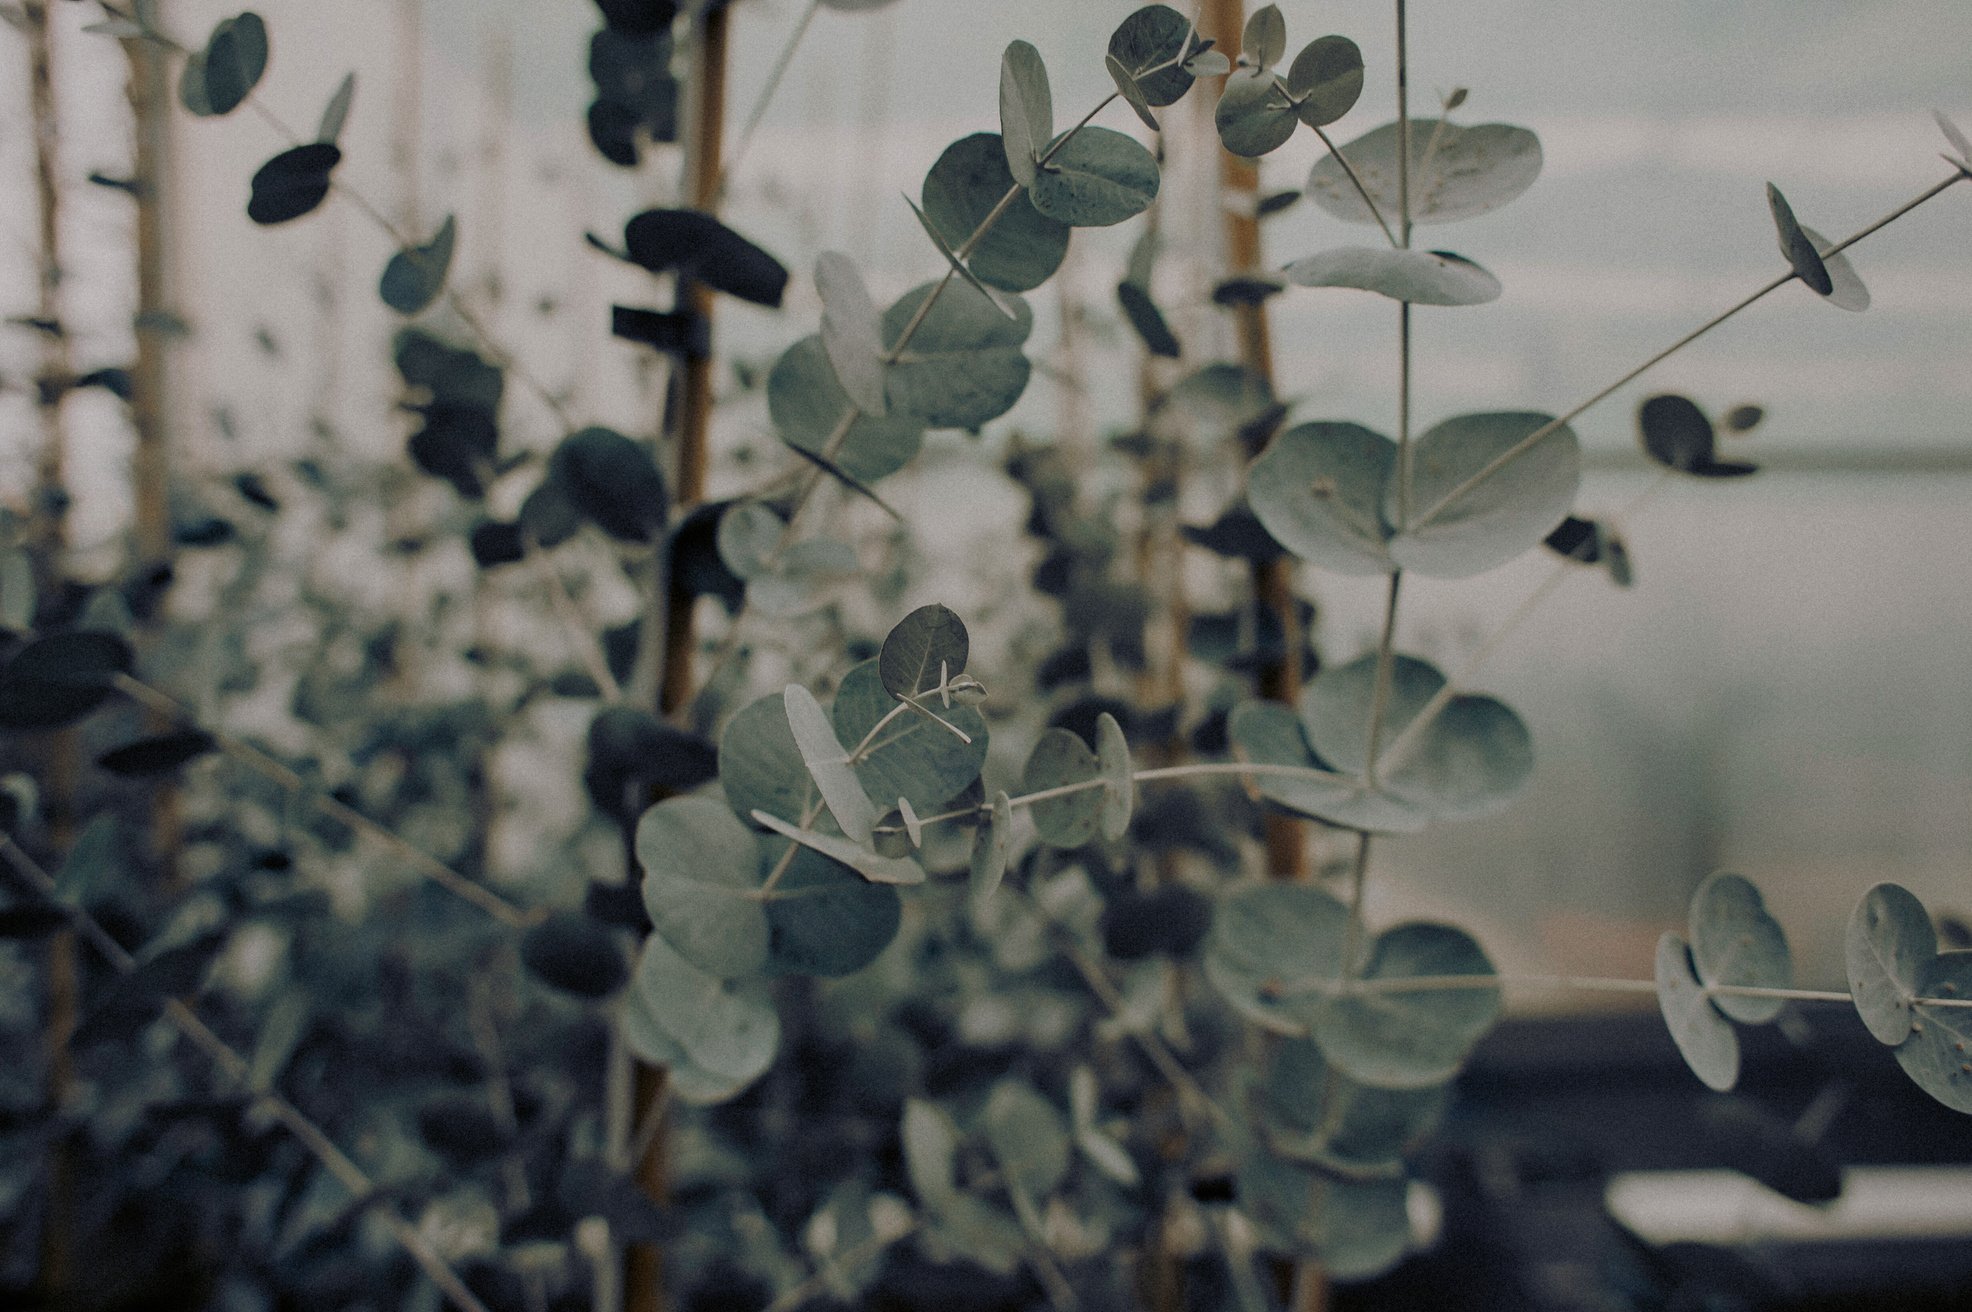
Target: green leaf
(1678,435)
(1265,41)
(17,592)
(1796,246)
(1418,277)
(958,266)
(1272,949)
(1493,521)
(747,535)
(1095,179)
(1026,109)
(1355,1228)
(336,113)
(964,366)
(823,918)
(1326,80)
(989,850)
(828,764)
(913,757)
(864,861)
(925,648)
(1119,787)
(1735,941)
(219,78)
(759,765)
(415,275)
(852,338)
(95,866)
(1317,1114)
(1703,1035)
(1060,759)
(573,953)
(1267,733)
(1889,943)
(701,873)
(1318,491)
(1938,1052)
(1463,173)
(807,405)
(1150,45)
(1144,316)
(931,1147)
(1255,116)
(612,482)
(293,183)
(56,680)
(1028,1137)
(1126,86)
(803,579)
(1410,1040)
(965,186)
(1846,290)
(727,1030)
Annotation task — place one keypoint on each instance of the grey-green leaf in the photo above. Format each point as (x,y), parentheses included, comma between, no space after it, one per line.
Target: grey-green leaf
(912,758)
(1024,248)
(828,764)
(1411,1039)
(1026,109)
(1060,759)
(416,275)
(1118,777)
(1938,1052)
(1029,1138)
(1890,941)
(1151,45)
(701,869)
(1272,951)
(1318,1114)
(864,861)
(931,1146)
(1326,80)
(1735,941)
(1095,179)
(1126,86)
(729,1029)
(1264,42)
(928,645)
(852,336)
(219,78)
(746,539)
(958,266)
(1795,245)
(1267,733)
(1704,1036)
(1318,491)
(1419,277)
(335,114)
(760,766)
(1355,1228)
(807,405)
(1845,286)
(1472,529)
(1255,116)
(823,918)
(1456,172)
(963,366)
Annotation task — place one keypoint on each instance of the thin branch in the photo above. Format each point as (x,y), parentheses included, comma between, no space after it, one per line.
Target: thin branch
(580,636)
(765,98)
(1375,212)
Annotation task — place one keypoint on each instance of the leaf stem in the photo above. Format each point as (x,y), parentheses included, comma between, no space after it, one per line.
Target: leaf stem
(765,98)
(1361,190)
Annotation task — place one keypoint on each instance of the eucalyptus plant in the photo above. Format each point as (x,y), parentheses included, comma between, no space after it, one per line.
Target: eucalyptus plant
(935,1009)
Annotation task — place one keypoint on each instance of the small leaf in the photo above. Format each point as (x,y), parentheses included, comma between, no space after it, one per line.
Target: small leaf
(1119,786)
(1314,1113)
(1326,80)
(926,647)
(1937,1055)
(989,850)
(1151,45)
(1795,245)
(1456,172)
(1060,759)
(1355,1228)
(915,758)
(1957,139)
(293,183)
(219,78)
(415,276)
(1028,1137)
(1410,1039)
(574,954)
(1889,944)
(1148,320)
(159,754)
(729,1031)
(1126,86)
(851,332)
(747,536)
(55,681)
(17,592)
(1255,115)
(1095,179)
(808,405)
(1026,109)
(1265,41)
(1676,433)
(702,248)
(1418,277)
(701,869)
(1208,63)
(335,114)
(931,1145)
(1846,290)
(1735,941)
(1023,249)
(1273,949)
(828,764)
(612,482)
(1744,418)
(1703,1035)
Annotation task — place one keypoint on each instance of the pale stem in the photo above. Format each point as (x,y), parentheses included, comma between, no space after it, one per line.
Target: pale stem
(863,748)
(1403,125)
(773,878)
(260,762)
(765,98)
(239,1070)
(1574,984)
(1386,659)
(1361,190)
(580,636)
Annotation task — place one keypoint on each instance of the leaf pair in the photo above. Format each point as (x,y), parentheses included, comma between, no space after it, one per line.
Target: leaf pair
(1899,979)
(1259,109)
(1734,943)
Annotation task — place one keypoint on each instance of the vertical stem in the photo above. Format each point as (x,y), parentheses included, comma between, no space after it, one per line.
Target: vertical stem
(1273,581)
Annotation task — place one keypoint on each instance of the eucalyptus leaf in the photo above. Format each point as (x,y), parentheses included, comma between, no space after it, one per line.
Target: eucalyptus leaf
(931,1147)
(1318,491)
(1119,786)
(1957,138)
(823,918)
(335,114)
(1735,941)
(415,276)
(1677,434)
(828,764)
(17,591)
(808,405)
(747,536)
(1937,1055)
(963,366)
(1472,528)
(1417,277)
(1795,245)
(1264,42)
(1151,45)
(1704,1036)
(1028,1137)
(1255,115)
(1133,96)
(1845,290)
(912,758)
(1023,248)
(1410,1039)
(1316,1114)
(760,766)
(56,680)
(1355,1228)
(1026,109)
(219,78)
(1094,179)
(1326,80)
(926,647)
(958,266)
(851,334)
(574,954)
(1144,316)
(1456,172)
(293,183)
(1889,943)
(864,861)
(729,1030)
(1059,760)
(1272,950)
(1267,733)
(701,872)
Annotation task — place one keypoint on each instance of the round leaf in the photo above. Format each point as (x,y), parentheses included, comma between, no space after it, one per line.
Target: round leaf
(1026,109)
(415,276)
(1677,434)
(292,183)
(913,757)
(828,764)
(1264,42)
(1419,277)
(1267,733)
(1703,1035)
(1317,1114)
(1096,178)
(701,871)
(963,366)
(1255,116)
(1456,172)
(1060,759)
(807,405)
(1938,1052)
(823,918)
(574,954)
(1028,1136)
(1024,248)
(56,680)
(1118,778)
(1735,941)
(851,336)
(1272,949)
(1890,942)
(1795,245)
(1845,290)
(728,1030)
(759,765)
(928,645)
(612,482)
(1326,80)
(747,535)
(1355,1228)
(1472,529)
(1410,1040)
(1150,45)
(1318,490)
(219,78)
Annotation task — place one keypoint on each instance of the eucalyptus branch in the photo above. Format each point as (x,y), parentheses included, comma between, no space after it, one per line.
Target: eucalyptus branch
(261,763)
(239,1070)
(1527,443)
(1566,983)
